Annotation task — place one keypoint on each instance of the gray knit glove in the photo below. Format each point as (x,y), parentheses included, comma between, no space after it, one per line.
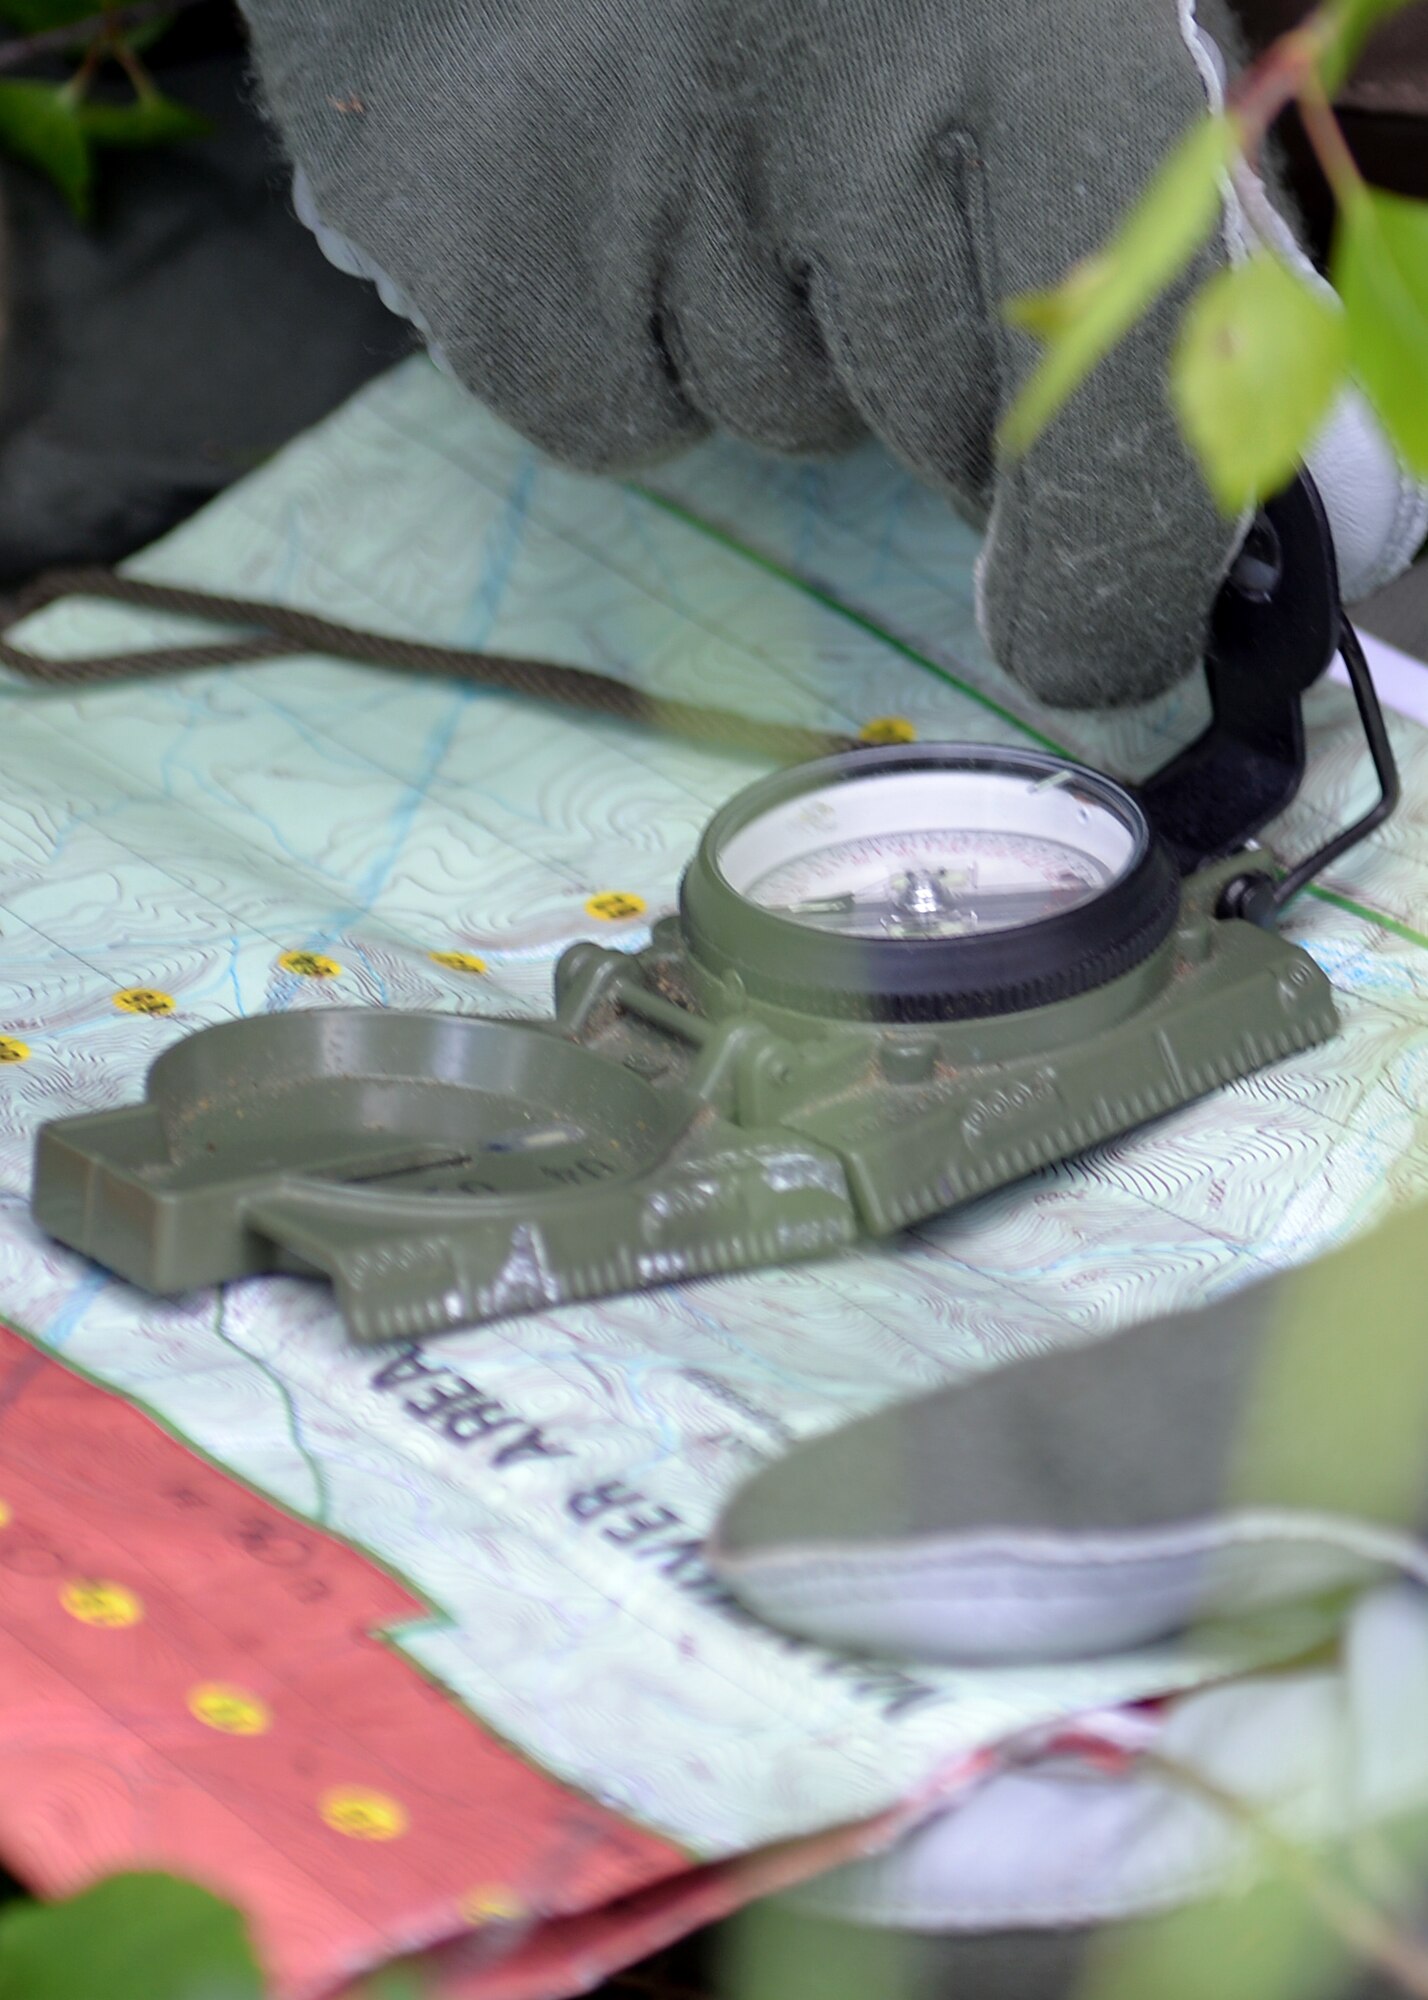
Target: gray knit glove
(626,222)
(1267,1455)
(1268,1447)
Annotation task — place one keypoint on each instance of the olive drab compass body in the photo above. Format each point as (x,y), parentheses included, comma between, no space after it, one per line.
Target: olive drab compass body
(899,977)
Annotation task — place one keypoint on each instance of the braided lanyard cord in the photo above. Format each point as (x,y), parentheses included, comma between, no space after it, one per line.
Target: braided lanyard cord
(268,631)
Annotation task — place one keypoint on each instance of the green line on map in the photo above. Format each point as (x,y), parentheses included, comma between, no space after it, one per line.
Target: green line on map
(846,612)
(1378,917)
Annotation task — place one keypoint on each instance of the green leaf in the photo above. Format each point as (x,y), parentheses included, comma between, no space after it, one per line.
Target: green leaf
(769,1952)
(40,16)
(1084,318)
(40,125)
(1254,375)
(1380,272)
(1346,26)
(33,17)
(143,121)
(1269,1943)
(131,1937)
(148,32)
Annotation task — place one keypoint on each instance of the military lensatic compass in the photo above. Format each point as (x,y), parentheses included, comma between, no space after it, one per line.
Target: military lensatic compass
(899,977)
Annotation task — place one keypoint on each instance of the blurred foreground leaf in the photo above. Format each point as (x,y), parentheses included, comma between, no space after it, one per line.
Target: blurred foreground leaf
(143,121)
(1084,318)
(1381,273)
(35,17)
(1350,23)
(774,1952)
(1269,1944)
(40,124)
(1259,361)
(131,1937)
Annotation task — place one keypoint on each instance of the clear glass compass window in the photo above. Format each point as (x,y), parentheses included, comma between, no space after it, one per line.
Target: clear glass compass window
(940,852)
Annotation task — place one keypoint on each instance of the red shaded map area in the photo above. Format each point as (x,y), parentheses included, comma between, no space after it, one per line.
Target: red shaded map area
(192,1679)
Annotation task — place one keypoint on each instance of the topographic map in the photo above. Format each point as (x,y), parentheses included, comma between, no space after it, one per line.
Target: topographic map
(304,833)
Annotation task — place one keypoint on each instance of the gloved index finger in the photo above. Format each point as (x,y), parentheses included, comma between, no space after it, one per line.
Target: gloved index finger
(1105,549)
(1008,156)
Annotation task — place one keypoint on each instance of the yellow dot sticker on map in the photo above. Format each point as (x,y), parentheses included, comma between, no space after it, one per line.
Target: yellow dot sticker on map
(231,1710)
(363,1815)
(310,965)
(888,729)
(94,1602)
(144,1000)
(458,961)
(12,1051)
(612,905)
(491,1904)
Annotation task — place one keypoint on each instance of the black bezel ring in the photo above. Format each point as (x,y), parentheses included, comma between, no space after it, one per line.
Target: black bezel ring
(926,979)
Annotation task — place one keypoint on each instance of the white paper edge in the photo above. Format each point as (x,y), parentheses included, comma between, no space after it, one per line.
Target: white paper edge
(1402,681)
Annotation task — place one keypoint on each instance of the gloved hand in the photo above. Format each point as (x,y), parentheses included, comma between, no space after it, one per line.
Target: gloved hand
(1268,1451)
(624,222)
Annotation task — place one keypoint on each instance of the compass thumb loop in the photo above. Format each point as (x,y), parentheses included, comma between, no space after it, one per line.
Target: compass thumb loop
(1253,1461)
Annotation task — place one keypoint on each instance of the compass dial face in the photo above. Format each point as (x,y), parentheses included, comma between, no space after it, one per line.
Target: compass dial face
(934,853)
(927,882)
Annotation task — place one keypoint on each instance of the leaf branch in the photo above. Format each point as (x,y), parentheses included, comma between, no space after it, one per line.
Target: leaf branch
(112,21)
(1262,353)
